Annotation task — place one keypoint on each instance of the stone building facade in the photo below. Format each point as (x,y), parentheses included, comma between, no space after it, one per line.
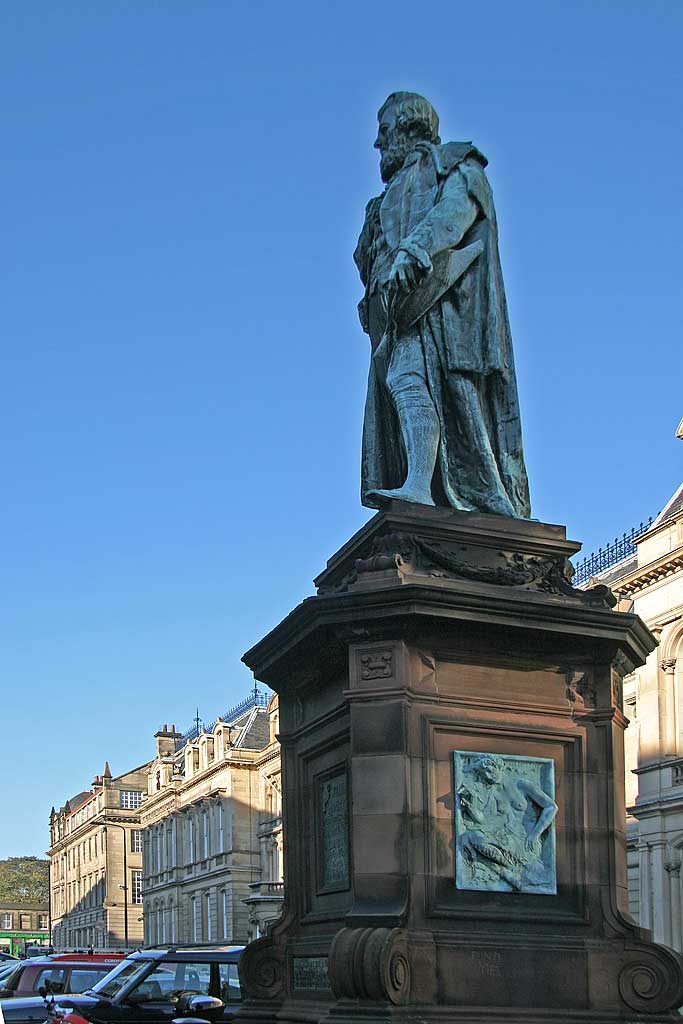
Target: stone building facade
(650,581)
(96,864)
(23,924)
(212,830)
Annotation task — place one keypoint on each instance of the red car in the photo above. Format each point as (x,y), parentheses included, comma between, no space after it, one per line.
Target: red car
(59,973)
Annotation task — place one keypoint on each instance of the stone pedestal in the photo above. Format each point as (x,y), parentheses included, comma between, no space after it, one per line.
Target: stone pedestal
(452,740)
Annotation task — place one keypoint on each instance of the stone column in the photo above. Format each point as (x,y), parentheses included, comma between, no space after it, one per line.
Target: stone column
(667,707)
(645,886)
(673,869)
(660,910)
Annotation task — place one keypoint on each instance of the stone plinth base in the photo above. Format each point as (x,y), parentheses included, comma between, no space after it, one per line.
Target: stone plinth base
(454,824)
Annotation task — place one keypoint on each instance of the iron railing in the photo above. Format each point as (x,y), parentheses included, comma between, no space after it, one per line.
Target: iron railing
(256,699)
(613,553)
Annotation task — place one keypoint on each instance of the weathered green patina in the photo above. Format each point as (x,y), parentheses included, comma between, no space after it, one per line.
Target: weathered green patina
(442,421)
(504,813)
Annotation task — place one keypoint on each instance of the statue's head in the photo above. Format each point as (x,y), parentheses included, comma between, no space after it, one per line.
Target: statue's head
(489,768)
(405,118)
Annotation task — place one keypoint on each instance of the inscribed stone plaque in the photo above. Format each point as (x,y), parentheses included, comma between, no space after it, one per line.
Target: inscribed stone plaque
(334,833)
(504,814)
(309,973)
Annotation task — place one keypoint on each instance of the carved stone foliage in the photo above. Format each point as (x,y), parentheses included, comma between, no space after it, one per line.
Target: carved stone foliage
(580,690)
(370,963)
(504,813)
(410,554)
(617,690)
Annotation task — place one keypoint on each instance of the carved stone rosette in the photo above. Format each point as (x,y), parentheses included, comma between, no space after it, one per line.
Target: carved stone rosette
(370,963)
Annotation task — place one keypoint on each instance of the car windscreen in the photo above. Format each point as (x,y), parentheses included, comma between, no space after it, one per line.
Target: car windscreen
(10,980)
(113,982)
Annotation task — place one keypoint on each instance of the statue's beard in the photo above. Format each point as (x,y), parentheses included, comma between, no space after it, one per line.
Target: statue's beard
(392,159)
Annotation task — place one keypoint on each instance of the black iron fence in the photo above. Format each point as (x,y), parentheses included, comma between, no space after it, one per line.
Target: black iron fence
(255,700)
(613,553)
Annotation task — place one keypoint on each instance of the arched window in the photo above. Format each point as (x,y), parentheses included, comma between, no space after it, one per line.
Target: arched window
(171,921)
(208,917)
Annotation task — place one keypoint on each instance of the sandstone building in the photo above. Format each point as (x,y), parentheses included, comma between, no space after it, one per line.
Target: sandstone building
(212,828)
(96,864)
(649,575)
(23,924)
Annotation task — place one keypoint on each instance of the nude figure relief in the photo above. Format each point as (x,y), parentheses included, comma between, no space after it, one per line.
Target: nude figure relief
(504,814)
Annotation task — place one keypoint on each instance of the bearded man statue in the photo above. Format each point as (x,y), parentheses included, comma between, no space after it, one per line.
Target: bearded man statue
(442,423)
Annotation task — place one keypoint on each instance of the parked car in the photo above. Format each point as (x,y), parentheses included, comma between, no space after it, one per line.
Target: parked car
(4,957)
(6,968)
(59,973)
(153,986)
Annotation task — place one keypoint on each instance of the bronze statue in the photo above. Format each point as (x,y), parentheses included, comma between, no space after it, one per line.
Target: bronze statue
(442,421)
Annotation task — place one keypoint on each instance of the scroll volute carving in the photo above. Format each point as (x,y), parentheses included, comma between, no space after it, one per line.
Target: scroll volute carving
(651,979)
(370,963)
(262,970)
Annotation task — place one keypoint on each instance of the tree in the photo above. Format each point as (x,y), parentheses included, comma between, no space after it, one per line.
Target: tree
(24,880)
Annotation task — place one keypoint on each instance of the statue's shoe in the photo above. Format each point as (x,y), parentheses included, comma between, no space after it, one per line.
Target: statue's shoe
(403,494)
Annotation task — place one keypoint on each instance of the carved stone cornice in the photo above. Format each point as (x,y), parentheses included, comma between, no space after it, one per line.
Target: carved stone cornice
(645,575)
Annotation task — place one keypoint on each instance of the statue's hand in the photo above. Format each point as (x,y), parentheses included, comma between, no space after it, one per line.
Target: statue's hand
(405,271)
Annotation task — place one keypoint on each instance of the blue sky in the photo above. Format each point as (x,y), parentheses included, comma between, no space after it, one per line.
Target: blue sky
(183,371)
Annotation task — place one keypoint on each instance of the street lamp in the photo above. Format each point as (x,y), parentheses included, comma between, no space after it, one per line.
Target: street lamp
(113,824)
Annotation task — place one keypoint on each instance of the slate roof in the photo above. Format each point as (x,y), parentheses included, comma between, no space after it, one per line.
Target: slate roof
(615,572)
(672,510)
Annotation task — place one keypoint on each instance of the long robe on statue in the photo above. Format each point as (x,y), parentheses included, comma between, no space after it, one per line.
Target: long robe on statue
(440,202)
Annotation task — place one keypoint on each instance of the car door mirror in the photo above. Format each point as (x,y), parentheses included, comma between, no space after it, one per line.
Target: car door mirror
(199,1007)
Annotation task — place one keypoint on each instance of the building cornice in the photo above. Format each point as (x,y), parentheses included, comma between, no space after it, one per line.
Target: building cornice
(644,576)
(103,816)
(249,760)
(648,808)
(160,805)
